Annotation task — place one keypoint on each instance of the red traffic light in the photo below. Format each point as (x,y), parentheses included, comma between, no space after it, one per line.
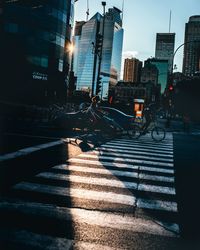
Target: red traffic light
(171,88)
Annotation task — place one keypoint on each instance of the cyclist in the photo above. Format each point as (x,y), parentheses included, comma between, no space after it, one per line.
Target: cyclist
(149,116)
(92,109)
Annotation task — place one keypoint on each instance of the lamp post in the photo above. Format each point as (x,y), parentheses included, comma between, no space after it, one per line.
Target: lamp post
(171,84)
(192,41)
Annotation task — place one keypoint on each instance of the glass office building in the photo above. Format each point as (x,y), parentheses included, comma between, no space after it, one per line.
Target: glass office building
(85,54)
(162,66)
(111,53)
(36,35)
(165,47)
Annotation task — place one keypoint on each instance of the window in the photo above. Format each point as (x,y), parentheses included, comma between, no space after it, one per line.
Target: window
(60,65)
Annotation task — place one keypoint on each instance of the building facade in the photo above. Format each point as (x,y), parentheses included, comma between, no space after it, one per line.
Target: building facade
(87,60)
(132,70)
(165,43)
(149,73)
(35,40)
(191,55)
(162,66)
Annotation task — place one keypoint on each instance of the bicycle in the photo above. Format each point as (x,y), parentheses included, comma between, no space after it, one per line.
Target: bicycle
(157,133)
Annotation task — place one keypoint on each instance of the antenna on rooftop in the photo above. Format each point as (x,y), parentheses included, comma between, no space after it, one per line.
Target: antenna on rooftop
(87,12)
(122,10)
(170,15)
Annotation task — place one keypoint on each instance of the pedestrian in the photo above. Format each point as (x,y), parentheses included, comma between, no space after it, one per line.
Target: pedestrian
(186,123)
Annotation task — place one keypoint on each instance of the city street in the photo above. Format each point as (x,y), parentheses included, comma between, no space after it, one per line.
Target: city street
(99,125)
(124,194)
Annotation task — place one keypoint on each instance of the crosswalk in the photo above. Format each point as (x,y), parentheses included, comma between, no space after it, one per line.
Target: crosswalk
(121,189)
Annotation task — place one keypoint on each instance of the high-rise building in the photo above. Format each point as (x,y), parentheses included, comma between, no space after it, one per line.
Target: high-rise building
(87,60)
(149,73)
(165,47)
(191,55)
(132,70)
(162,66)
(76,42)
(35,36)
(85,56)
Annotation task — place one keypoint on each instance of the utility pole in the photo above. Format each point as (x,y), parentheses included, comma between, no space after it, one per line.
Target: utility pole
(87,12)
(98,84)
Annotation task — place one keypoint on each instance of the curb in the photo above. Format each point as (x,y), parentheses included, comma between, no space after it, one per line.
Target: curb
(24,163)
(29,150)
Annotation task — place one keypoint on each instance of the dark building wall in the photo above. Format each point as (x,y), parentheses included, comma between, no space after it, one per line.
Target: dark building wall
(191,59)
(34,63)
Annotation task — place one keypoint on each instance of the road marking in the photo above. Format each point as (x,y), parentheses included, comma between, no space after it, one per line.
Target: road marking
(73,161)
(97,170)
(145,142)
(156,178)
(140,145)
(109,197)
(156,189)
(90,217)
(154,150)
(102,153)
(100,157)
(135,151)
(89,180)
(159,170)
(157,205)
(102,164)
(112,173)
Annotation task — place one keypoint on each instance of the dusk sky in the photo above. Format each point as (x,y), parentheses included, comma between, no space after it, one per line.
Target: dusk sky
(142,19)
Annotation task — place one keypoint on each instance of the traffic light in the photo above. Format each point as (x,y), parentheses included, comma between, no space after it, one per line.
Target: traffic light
(171,88)
(98,87)
(99,43)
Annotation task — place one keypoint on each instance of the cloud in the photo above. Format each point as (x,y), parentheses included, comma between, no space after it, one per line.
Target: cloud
(129,54)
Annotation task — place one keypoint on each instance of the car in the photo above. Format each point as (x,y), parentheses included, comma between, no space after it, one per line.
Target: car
(124,120)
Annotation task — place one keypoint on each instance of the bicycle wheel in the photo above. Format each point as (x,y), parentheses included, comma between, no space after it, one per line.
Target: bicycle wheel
(134,132)
(158,134)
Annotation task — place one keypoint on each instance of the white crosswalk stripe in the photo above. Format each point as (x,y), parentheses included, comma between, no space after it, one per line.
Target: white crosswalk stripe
(101,157)
(133,177)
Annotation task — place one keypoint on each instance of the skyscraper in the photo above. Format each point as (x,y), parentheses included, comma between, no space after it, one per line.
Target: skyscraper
(162,66)
(132,70)
(191,55)
(34,39)
(76,42)
(85,56)
(111,52)
(165,47)
(149,73)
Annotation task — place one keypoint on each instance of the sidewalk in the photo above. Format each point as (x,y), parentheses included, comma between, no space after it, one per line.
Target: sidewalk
(177,126)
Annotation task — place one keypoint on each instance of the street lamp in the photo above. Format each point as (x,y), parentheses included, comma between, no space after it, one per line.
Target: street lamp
(192,41)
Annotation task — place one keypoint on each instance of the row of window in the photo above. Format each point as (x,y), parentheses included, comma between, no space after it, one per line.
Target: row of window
(130,93)
(48,36)
(39,61)
(43,62)
(39,11)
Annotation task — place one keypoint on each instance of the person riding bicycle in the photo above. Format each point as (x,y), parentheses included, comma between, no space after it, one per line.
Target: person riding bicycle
(149,116)
(92,109)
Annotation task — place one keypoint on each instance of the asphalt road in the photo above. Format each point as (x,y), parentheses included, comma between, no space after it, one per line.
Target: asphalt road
(187,173)
(187,166)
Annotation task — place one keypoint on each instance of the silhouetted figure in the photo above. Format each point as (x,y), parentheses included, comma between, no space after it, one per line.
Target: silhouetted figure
(168,122)
(186,123)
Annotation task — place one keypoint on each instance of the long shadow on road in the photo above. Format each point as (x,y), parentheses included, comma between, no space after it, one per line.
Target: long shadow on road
(187,175)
